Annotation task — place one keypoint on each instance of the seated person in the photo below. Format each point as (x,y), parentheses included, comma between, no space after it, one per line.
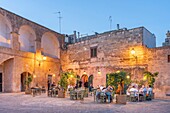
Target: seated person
(98,91)
(149,93)
(108,92)
(133,89)
(53,85)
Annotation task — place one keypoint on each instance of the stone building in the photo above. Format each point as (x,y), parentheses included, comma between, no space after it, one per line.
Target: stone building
(92,57)
(27,49)
(23,45)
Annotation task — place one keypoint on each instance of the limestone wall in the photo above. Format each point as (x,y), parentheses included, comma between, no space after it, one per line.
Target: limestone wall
(158,62)
(113,53)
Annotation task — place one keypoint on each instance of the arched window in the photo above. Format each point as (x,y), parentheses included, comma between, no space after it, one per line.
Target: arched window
(5,29)
(27,38)
(50,45)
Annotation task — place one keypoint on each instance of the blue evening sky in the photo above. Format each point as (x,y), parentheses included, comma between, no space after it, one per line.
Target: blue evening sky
(89,16)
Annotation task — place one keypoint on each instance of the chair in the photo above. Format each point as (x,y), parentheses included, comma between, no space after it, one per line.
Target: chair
(133,97)
(102,97)
(149,95)
(49,94)
(43,90)
(81,94)
(73,95)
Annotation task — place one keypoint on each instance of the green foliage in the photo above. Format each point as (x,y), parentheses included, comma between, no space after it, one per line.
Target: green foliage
(114,79)
(28,81)
(66,79)
(150,77)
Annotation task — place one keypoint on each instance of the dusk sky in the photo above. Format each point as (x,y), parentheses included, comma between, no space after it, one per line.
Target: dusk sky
(89,16)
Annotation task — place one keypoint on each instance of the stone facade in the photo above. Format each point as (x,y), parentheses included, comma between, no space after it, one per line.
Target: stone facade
(23,44)
(14,60)
(114,53)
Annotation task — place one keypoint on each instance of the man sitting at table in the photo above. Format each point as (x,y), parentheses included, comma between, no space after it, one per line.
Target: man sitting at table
(108,93)
(133,89)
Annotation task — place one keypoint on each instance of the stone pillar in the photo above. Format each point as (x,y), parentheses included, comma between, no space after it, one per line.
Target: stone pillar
(37,44)
(15,42)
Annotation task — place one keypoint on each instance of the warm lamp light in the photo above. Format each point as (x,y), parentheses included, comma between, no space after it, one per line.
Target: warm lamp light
(118,71)
(44,58)
(144,78)
(133,51)
(53,75)
(127,76)
(34,76)
(84,72)
(99,72)
(71,76)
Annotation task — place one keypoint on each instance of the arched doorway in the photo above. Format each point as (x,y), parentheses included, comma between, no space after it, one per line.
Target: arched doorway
(90,81)
(84,79)
(24,75)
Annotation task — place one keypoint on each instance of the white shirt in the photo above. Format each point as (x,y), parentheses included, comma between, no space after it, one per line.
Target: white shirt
(134,90)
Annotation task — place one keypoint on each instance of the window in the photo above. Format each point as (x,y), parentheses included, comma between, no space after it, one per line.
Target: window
(93,52)
(169,58)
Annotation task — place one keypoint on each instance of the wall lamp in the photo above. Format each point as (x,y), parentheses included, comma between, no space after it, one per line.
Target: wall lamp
(40,60)
(133,52)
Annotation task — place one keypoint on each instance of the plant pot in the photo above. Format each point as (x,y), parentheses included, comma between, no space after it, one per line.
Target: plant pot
(61,94)
(28,91)
(121,99)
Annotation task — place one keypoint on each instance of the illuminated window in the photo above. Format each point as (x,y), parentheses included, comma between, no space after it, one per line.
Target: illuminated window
(93,52)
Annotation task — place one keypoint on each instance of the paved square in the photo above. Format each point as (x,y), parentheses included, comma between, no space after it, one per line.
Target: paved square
(21,103)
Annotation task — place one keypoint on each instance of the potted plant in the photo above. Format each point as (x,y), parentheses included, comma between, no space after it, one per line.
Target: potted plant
(119,80)
(65,79)
(27,83)
(149,78)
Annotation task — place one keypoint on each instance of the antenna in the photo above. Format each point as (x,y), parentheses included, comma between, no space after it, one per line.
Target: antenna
(110,19)
(59,20)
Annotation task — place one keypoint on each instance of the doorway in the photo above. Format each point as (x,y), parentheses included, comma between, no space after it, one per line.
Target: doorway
(90,81)
(50,79)
(24,75)
(84,80)
(0,82)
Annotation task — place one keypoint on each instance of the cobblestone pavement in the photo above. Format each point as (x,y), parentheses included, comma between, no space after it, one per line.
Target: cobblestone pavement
(21,103)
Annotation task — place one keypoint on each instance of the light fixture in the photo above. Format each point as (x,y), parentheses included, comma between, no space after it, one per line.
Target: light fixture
(71,76)
(53,75)
(84,73)
(34,75)
(99,72)
(44,58)
(127,76)
(133,51)
(144,78)
(118,71)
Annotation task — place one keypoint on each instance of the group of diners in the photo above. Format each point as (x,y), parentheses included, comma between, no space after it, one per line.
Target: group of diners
(141,93)
(104,93)
(53,89)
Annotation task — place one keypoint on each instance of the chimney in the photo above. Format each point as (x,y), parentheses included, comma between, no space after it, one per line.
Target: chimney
(118,27)
(74,37)
(78,33)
